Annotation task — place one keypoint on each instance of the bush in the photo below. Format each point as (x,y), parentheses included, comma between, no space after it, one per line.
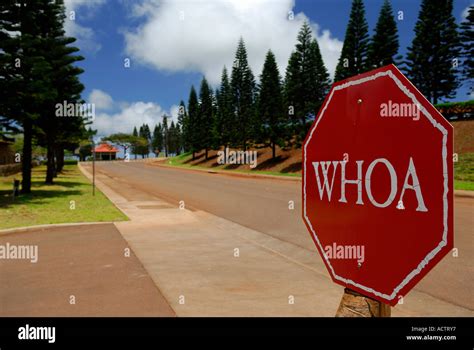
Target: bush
(456,110)
(10,169)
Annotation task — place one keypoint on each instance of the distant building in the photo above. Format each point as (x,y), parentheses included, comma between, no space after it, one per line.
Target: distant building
(7,156)
(104,151)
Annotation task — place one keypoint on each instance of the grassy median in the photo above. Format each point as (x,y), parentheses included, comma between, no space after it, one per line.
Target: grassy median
(69,200)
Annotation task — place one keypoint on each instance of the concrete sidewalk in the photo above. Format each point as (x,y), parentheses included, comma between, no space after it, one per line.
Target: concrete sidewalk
(208,266)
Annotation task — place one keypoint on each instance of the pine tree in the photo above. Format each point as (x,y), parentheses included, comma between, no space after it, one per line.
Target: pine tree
(384,45)
(174,138)
(183,126)
(53,132)
(467,39)
(206,116)
(24,72)
(144,142)
(135,146)
(243,96)
(270,104)
(354,50)
(225,123)
(166,135)
(193,124)
(306,82)
(293,93)
(317,79)
(431,57)
(157,142)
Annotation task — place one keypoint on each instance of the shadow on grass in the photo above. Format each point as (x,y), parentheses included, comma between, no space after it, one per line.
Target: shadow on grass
(190,160)
(292,168)
(231,166)
(270,163)
(205,160)
(36,197)
(69,184)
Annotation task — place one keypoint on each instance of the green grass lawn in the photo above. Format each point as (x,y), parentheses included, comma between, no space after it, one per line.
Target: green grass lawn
(51,204)
(463,170)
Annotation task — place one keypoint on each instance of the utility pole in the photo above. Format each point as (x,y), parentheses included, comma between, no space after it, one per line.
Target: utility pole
(93,167)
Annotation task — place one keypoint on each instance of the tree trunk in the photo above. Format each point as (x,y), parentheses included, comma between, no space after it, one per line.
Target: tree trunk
(206,153)
(273,150)
(194,155)
(59,159)
(50,168)
(27,154)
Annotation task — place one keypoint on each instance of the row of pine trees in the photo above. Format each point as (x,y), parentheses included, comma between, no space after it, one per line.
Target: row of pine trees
(37,71)
(165,139)
(242,113)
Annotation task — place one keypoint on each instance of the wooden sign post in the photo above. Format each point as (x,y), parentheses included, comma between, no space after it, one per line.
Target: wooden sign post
(354,304)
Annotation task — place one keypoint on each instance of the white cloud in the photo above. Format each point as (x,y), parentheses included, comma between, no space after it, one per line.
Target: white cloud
(85,36)
(465,13)
(128,115)
(201,36)
(101,99)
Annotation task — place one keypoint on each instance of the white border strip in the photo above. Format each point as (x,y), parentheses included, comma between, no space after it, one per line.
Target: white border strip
(438,126)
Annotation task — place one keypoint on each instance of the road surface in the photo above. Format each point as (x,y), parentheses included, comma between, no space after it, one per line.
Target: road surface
(76,274)
(263,205)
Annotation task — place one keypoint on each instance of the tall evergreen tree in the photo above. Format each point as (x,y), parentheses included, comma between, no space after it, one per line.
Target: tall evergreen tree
(193,122)
(354,50)
(165,135)
(293,94)
(52,131)
(173,139)
(24,71)
(432,55)
(243,96)
(135,147)
(384,45)
(467,39)
(157,142)
(206,116)
(270,105)
(317,79)
(306,82)
(144,144)
(225,121)
(183,126)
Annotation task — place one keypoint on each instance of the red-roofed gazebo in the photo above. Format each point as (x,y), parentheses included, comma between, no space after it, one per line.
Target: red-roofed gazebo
(104,151)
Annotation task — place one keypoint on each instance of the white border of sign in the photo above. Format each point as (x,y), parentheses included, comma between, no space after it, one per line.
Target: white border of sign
(438,126)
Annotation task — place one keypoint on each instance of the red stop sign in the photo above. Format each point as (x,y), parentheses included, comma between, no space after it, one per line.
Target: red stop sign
(378,184)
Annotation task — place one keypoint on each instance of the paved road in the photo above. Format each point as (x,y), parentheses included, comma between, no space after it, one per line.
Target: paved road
(74,261)
(262,205)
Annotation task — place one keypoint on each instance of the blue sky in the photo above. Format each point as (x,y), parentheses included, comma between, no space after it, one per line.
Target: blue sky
(172,44)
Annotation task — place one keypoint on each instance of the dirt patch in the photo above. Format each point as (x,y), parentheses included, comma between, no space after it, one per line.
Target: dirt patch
(463,136)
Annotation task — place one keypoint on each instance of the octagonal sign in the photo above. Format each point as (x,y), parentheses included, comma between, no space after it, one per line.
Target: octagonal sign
(378,184)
